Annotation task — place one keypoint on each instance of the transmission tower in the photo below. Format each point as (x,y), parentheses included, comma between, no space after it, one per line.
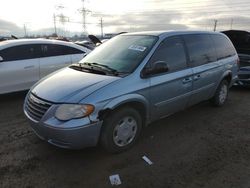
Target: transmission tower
(84,13)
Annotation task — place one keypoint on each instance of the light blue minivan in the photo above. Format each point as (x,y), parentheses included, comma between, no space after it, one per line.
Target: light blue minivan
(129,82)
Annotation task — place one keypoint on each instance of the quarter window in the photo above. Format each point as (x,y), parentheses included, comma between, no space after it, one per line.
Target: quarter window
(200,49)
(172,52)
(224,47)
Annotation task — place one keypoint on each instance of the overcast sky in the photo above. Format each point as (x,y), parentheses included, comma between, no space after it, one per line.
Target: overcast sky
(121,15)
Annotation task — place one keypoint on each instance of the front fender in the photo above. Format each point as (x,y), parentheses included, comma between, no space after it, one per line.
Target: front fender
(126,99)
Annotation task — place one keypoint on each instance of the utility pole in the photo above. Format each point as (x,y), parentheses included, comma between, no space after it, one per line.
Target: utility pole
(101,23)
(231,24)
(25,30)
(215,24)
(54,17)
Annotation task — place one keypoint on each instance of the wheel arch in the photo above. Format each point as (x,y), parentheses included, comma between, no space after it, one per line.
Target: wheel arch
(226,75)
(135,101)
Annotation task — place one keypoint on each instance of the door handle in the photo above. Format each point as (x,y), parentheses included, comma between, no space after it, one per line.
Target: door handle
(197,77)
(29,67)
(187,80)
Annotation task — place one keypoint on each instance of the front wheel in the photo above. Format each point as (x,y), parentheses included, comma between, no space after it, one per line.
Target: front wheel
(121,130)
(221,94)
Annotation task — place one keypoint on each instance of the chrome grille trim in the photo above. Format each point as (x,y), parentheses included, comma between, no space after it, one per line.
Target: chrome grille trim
(36,107)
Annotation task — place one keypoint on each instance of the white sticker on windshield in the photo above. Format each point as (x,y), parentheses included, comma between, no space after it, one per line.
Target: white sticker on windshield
(137,48)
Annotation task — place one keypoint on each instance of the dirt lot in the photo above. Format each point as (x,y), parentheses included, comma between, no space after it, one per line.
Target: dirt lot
(200,147)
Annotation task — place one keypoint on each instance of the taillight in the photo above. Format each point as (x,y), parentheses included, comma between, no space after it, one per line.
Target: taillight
(238,63)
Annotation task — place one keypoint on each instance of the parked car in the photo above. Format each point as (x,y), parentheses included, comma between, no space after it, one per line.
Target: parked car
(241,41)
(129,82)
(86,44)
(25,61)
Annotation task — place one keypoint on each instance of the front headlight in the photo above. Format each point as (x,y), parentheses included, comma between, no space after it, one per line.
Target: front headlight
(71,111)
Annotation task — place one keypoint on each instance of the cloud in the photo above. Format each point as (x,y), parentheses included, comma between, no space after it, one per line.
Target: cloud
(224,22)
(8,28)
(146,21)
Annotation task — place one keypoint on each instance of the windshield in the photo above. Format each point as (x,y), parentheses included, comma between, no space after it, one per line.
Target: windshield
(122,53)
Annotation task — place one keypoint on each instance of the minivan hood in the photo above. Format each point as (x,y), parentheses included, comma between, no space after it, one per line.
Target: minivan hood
(70,86)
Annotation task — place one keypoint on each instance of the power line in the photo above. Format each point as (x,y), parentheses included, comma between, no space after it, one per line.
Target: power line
(194,3)
(232,13)
(201,7)
(222,8)
(208,6)
(156,12)
(122,23)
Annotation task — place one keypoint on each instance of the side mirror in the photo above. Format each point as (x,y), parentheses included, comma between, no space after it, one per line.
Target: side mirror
(1,59)
(157,68)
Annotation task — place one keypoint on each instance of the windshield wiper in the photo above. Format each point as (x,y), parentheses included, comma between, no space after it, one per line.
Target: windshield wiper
(79,67)
(113,71)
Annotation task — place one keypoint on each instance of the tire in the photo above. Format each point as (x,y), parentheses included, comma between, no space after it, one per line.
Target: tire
(221,94)
(121,130)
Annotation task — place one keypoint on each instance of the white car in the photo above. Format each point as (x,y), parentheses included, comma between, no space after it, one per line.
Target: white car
(25,61)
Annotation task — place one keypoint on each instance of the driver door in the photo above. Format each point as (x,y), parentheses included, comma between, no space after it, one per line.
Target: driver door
(170,91)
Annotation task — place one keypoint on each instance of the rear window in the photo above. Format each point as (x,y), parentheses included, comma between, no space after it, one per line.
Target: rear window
(200,49)
(223,46)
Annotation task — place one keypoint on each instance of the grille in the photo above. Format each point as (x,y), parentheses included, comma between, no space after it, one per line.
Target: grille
(36,107)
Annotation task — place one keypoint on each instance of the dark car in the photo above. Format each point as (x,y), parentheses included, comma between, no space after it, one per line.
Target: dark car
(241,41)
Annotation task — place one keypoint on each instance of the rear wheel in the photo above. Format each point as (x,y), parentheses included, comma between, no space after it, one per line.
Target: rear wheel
(121,130)
(221,94)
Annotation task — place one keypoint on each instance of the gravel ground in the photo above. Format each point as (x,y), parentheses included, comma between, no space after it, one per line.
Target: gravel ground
(202,146)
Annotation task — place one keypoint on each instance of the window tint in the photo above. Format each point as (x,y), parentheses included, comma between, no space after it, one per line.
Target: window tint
(21,52)
(172,52)
(75,51)
(57,50)
(224,47)
(200,49)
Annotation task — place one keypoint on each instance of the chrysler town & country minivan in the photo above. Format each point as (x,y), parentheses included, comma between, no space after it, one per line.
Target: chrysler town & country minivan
(129,82)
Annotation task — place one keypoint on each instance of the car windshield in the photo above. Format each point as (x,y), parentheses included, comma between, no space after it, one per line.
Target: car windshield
(122,53)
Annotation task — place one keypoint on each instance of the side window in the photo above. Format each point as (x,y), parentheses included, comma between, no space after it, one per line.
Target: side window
(224,47)
(21,52)
(172,52)
(72,50)
(50,50)
(200,49)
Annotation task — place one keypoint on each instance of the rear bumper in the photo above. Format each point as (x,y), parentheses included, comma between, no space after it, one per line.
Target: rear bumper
(243,78)
(82,136)
(242,82)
